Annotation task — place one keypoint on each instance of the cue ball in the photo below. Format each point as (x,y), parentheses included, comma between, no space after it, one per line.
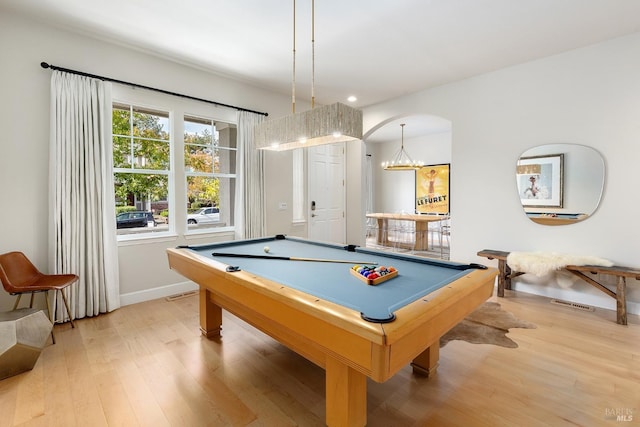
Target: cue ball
(266,249)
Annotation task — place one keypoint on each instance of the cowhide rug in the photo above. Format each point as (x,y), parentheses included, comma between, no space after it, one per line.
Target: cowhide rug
(488,324)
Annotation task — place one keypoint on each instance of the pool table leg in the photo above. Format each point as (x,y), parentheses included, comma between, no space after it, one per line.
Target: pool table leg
(210,315)
(427,362)
(346,395)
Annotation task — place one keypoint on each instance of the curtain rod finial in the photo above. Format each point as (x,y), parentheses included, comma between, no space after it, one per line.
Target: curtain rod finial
(44,65)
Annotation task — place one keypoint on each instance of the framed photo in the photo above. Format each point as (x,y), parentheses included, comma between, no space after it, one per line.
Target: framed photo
(432,189)
(540,180)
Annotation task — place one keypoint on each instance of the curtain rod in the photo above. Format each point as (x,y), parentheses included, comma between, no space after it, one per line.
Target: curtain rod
(166,92)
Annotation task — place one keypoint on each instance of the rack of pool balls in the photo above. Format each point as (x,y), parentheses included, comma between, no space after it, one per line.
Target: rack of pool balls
(373,275)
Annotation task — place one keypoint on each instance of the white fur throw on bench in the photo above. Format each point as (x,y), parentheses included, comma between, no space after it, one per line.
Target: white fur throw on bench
(542,263)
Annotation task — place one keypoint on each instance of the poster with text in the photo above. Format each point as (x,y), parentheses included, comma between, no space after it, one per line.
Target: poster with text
(432,189)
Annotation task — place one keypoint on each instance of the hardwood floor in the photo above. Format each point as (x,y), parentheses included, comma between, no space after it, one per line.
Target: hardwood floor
(147,365)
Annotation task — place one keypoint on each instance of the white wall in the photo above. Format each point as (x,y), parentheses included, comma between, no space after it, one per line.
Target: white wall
(589,96)
(24,120)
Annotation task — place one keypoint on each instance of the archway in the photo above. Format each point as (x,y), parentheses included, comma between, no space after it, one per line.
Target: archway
(427,138)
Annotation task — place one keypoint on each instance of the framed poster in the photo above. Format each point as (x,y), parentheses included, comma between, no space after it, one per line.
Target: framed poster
(540,180)
(432,189)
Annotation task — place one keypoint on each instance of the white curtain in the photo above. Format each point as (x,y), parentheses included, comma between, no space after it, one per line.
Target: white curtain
(249,209)
(81,204)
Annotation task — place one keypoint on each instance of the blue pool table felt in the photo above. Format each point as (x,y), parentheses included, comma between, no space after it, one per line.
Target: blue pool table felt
(332,281)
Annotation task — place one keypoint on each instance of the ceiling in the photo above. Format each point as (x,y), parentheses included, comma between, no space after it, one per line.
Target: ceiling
(373,49)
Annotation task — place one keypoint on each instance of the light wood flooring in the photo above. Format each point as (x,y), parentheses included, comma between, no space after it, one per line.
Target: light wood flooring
(147,365)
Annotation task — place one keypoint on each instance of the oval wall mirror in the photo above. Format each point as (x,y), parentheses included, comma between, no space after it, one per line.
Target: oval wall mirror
(560,184)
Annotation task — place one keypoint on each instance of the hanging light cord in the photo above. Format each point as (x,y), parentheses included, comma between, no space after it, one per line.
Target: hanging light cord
(293,79)
(313,53)
(313,57)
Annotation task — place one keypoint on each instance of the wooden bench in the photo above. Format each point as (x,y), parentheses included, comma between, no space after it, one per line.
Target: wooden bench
(505,274)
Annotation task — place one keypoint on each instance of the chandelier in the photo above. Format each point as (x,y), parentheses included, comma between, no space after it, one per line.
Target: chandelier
(401,160)
(323,125)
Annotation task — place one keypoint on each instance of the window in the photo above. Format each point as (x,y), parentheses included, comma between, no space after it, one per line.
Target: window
(210,172)
(141,168)
(174,166)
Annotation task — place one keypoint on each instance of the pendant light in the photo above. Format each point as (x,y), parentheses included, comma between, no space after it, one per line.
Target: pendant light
(401,160)
(322,125)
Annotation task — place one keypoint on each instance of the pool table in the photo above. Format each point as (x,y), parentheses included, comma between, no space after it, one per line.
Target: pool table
(316,307)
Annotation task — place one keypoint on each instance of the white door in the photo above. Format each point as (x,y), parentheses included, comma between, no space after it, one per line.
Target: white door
(326,210)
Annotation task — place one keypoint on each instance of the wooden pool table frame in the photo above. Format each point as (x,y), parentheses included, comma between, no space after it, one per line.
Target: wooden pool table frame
(332,336)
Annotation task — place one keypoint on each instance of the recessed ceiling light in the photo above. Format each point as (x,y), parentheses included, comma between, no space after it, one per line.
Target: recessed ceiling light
(352,99)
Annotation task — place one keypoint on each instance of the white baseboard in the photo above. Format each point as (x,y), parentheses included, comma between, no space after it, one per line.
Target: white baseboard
(586,295)
(155,293)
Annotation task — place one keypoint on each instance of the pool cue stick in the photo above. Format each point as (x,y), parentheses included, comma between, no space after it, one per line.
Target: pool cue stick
(291,258)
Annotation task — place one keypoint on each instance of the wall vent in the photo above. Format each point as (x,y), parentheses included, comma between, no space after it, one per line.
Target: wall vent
(569,304)
(180,296)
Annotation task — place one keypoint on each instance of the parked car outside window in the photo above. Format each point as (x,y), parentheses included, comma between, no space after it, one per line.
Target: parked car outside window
(134,219)
(204,216)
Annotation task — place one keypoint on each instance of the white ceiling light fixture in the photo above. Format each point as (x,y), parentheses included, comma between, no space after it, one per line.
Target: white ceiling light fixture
(401,160)
(328,124)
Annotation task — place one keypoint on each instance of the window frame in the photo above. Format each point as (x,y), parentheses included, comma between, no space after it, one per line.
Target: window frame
(177,108)
(143,171)
(218,175)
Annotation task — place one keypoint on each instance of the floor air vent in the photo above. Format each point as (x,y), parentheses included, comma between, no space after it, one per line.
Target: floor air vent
(180,296)
(572,305)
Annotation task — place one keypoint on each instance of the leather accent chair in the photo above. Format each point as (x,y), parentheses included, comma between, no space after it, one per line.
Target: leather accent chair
(19,276)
